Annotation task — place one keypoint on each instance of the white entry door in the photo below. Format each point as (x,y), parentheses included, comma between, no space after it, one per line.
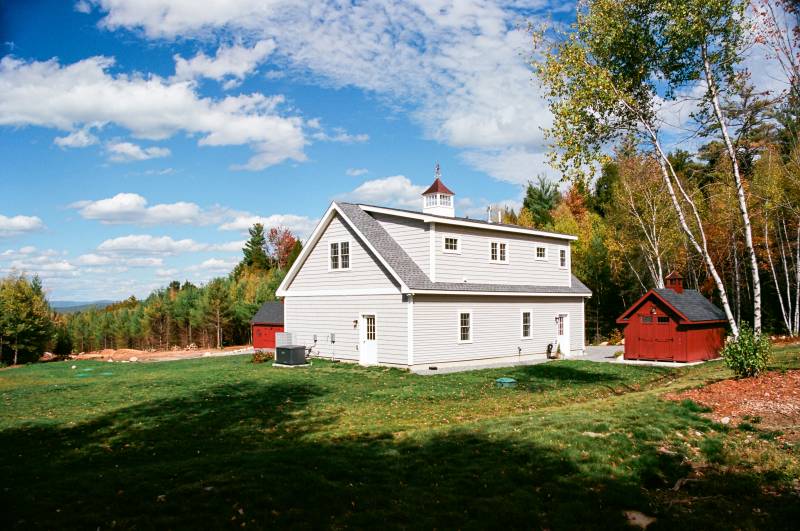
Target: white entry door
(562,333)
(368,349)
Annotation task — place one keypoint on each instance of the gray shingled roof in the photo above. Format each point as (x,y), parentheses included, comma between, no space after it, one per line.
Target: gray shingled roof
(270,312)
(489,224)
(692,304)
(416,279)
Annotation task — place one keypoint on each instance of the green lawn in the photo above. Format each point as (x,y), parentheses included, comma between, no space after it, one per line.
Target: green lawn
(225,443)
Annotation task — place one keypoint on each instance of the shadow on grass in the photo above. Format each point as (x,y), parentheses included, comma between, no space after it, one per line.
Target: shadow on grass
(256,454)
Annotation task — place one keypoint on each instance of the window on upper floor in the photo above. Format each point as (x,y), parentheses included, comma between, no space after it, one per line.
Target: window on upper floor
(430,200)
(445,200)
(562,258)
(452,244)
(339,255)
(498,252)
(541,253)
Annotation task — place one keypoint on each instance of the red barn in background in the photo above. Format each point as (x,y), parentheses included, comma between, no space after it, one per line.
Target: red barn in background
(673,324)
(266,323)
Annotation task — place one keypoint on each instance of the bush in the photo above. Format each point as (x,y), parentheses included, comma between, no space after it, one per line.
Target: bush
(749,354)
(260,356)
(615,337)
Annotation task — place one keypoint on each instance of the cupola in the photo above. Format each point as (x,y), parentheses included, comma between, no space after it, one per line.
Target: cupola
(674,281)
(438,199)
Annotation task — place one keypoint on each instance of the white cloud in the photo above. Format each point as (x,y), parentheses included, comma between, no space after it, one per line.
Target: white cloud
(92,259)
(147,244)
(513,165)
(68,97)
(128,152)
(356,172)
(144,262)
(76,139)
(230,65)
(340,135)
(229,247)
(133,208)
(166,273)
(299,225)
(16,225)
(83,6)
(462,67)
(396,190)
(214,264)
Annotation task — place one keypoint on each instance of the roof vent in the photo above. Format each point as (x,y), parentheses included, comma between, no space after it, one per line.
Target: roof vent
(438,198)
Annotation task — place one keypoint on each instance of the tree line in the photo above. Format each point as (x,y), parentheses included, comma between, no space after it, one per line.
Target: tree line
(178,315)
(726,213)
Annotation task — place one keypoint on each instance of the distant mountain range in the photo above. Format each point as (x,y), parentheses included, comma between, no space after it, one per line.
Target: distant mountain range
(77,306)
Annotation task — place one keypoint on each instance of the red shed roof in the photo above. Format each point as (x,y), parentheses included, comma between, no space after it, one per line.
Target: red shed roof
(690,305)
(438,187)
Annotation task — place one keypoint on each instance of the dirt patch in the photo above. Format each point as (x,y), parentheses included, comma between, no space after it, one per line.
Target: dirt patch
(768,402)
(129,354)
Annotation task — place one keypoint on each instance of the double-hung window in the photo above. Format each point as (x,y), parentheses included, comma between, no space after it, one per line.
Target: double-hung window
(526,325)
(464,327)
(562,258)
(339,255)
(498,252)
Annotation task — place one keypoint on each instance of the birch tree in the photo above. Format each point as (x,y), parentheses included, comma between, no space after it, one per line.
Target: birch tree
(606,79)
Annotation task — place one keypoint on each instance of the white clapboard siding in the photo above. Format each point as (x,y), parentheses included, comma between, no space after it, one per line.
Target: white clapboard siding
(473,264)
(323,315)
(412,235)
(496,326)
(365,271)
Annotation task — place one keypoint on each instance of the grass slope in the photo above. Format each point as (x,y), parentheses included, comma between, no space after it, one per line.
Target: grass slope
(222,442)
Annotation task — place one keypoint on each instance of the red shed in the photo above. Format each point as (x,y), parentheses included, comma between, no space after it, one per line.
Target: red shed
(673,324)
(266,323)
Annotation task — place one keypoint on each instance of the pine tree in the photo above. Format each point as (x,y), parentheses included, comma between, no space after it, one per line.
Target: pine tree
(540,200)
(255,255)
(25,323)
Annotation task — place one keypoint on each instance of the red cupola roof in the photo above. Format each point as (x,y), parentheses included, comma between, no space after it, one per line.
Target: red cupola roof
(438,187)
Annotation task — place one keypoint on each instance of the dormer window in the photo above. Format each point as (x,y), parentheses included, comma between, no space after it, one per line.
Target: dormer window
(562,258)
(498,252)
(541,253)
(452,245)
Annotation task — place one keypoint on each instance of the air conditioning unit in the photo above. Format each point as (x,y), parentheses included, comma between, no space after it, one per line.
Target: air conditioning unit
(290,356)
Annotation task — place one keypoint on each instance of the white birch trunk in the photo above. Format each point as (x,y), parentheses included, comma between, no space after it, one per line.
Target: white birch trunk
(742,201)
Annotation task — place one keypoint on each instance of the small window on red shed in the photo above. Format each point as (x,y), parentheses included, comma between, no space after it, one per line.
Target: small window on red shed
(663,320)
(646,319)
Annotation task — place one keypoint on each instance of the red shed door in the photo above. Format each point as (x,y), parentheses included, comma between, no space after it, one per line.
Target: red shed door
(264,335)
(655,338)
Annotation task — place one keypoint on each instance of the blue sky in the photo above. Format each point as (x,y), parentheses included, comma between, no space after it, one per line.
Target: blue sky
(140,140)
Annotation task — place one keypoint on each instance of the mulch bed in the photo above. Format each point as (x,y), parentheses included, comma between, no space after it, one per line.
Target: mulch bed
(770,401)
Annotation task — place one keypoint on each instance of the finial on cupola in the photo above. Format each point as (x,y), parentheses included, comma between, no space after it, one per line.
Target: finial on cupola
(438,199)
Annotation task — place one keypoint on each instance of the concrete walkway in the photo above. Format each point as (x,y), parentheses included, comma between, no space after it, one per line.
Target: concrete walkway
(477,366)
(606,355)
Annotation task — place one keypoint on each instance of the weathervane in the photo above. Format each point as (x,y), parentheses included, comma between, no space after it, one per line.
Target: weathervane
(436,170)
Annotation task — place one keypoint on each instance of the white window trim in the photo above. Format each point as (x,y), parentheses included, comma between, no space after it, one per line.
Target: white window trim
(566,258)
(522,335)
(508,252)
(458,244)
(471,327)
(349,257)
(536,252)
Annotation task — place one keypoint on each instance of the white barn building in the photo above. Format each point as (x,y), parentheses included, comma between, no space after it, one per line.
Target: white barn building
(410,289)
